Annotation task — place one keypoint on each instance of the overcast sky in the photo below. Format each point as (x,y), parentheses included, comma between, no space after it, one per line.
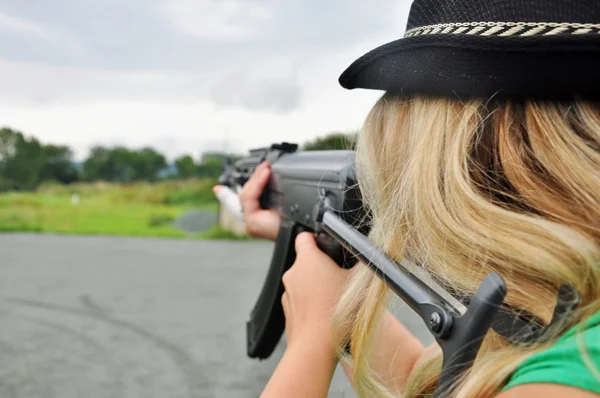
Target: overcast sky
(186,76)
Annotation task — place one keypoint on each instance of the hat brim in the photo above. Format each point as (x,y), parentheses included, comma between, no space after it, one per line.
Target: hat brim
(481,67)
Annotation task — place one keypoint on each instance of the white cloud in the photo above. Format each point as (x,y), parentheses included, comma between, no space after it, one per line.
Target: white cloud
(139,108)
(26,27)
(226,20)
(175,127)
(400,14)
(242,89)
(269,83)
(35,84)
(173,110)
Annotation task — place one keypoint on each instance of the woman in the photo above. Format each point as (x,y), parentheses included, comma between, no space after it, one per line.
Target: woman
(483,156)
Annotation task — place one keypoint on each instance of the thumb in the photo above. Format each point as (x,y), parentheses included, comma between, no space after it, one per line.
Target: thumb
(305,241)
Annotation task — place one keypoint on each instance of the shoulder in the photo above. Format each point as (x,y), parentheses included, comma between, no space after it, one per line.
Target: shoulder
(570,367)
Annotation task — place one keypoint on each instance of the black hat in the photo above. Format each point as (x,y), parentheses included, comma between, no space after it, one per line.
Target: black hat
(483,48)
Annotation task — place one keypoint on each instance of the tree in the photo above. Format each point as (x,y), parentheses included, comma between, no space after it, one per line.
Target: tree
(98,165)
(147,164)
(8,144)
(58,164)
(21,160)
(109,164)
(119,164)
(211,164)
(333,141)
(186,167)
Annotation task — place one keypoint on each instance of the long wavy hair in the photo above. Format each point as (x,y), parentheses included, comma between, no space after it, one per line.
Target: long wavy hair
(465,188)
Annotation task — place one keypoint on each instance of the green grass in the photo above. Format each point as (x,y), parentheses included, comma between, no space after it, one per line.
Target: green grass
(110,209)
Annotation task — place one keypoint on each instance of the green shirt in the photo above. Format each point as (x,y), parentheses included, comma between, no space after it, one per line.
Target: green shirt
(563,363)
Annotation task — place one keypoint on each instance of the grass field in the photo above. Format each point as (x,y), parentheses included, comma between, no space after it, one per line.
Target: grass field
(141,209)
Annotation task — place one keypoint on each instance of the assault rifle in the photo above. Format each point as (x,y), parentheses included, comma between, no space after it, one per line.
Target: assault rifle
(317,191)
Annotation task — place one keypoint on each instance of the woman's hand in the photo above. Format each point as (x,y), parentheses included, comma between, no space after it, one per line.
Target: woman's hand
(312,287)
(259,223)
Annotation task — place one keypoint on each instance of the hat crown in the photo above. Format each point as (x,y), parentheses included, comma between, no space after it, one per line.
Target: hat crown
(433,12)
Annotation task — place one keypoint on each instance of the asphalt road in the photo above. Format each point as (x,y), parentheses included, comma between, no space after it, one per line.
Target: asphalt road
(117,317)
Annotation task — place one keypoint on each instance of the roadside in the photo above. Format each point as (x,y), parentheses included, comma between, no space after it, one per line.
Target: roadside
(173,209)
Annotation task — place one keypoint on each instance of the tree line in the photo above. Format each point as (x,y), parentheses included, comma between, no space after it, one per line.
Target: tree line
(25,162)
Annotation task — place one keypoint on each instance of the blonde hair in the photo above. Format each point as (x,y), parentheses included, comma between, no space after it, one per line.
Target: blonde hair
(465,188)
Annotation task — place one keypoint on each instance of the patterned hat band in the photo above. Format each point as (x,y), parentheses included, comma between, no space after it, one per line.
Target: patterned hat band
(506,29)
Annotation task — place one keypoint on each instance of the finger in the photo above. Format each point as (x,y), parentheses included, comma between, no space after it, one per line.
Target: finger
(259,168)
(216,189)
(246,189)
(254,188)
(262,165)
(305,241)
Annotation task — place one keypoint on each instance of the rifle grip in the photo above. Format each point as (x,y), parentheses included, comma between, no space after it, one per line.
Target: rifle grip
(335,251)
(267,320)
